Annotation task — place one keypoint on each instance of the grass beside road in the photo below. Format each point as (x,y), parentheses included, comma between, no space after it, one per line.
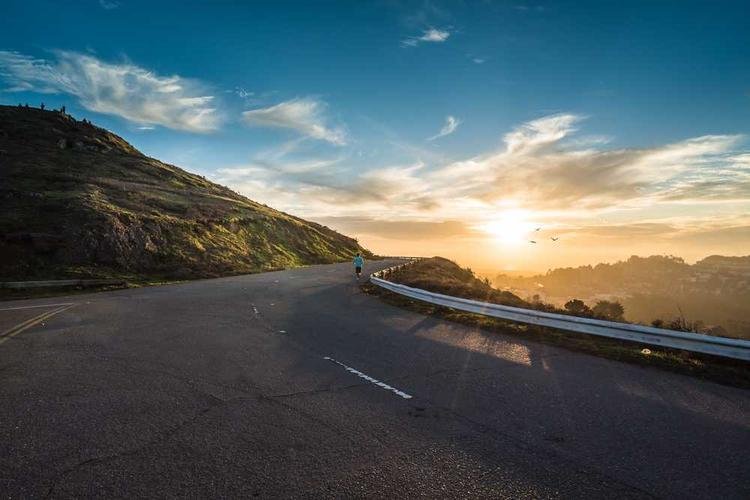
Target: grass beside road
(443,276)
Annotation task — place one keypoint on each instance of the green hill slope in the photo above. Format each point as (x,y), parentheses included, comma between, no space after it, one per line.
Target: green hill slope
(441,275)
(79,201)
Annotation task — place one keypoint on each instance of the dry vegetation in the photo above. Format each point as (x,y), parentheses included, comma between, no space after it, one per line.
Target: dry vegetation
(444,276)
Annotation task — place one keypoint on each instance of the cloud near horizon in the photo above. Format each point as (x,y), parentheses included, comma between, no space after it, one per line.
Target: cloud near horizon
(543,167)
(401,230)
(123,90)
(304,115)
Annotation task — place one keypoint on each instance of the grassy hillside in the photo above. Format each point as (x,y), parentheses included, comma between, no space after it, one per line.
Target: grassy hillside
(79,201)
(445,276)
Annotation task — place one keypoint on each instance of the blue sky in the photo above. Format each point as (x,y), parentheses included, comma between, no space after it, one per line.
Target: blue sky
(385,117)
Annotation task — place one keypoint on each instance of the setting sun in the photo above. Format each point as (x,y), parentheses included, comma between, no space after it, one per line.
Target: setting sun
(510,228)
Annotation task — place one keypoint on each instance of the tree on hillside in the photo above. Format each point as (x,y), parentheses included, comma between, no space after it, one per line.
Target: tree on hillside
(577,307)
(612,311)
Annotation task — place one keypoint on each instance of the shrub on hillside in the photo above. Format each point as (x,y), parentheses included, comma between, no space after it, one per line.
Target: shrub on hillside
(577,307)
(612,311)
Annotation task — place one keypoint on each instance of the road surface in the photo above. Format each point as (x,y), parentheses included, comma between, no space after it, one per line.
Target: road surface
(296,384)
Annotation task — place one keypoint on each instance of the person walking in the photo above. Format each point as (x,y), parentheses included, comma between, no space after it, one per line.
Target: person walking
(359,262)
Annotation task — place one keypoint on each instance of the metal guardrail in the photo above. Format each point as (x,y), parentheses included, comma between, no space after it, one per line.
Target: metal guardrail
(59,283)
(696,342)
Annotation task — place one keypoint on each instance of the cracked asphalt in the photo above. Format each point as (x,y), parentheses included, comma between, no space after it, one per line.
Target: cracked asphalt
(219,388)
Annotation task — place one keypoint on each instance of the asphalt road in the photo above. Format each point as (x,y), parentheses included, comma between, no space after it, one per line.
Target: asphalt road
(295,384)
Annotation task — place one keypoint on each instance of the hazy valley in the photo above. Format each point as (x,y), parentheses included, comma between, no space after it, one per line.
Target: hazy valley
(714,291)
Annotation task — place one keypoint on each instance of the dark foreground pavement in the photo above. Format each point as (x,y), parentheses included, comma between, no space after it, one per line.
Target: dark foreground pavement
(221,388)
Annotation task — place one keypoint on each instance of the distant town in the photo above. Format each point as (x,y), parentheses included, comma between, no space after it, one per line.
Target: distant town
(714,291)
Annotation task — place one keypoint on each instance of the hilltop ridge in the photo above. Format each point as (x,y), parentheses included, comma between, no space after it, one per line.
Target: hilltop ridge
(79,201)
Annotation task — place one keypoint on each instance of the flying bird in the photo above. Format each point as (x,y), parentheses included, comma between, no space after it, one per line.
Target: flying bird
(537,229)
(532,241)
(555,239)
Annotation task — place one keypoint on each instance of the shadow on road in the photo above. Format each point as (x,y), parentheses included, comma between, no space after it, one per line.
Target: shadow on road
(494,399)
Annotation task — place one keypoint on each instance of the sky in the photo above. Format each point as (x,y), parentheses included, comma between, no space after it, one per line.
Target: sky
(478,131)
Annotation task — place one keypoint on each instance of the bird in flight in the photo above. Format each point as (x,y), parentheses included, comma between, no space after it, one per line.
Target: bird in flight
(555,239)
(537,229)
(532,241)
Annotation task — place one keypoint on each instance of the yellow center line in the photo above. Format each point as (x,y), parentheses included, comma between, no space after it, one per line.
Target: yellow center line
(29,323)
(36,306)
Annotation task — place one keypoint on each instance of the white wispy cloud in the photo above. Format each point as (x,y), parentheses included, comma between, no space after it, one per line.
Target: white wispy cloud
(124,90)
(324,187)
(451,124)
(242,93)
(432,35)
(683,192)
(540,166)
(305,115)
(109,4)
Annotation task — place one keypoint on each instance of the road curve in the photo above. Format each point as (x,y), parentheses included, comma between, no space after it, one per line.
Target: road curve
(295,384)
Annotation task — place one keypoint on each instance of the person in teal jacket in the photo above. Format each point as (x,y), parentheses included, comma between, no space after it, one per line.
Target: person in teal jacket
(359,262)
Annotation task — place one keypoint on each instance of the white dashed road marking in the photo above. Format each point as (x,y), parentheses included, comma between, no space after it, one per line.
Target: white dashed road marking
(370,379)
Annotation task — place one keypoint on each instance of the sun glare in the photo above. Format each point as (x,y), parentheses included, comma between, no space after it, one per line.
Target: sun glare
(510,228)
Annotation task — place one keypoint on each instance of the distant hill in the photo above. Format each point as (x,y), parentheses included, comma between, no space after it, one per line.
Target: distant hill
(715,290)
(438,274)
(78,201)
(721,262)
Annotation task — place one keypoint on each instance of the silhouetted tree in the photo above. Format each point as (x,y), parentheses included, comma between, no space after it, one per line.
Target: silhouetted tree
(577,307)
(612,311)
